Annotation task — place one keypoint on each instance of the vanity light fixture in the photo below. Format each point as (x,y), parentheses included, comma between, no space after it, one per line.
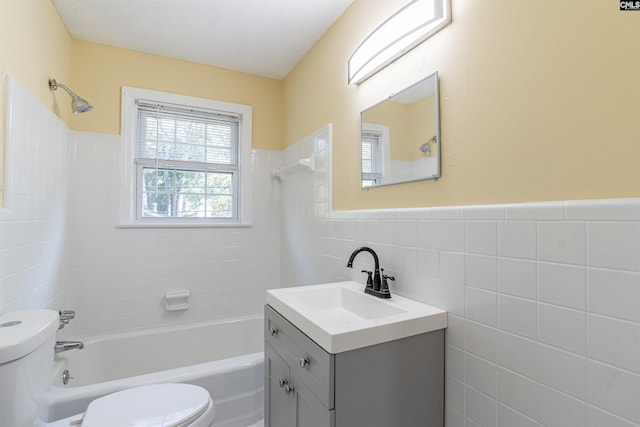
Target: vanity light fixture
(404,30)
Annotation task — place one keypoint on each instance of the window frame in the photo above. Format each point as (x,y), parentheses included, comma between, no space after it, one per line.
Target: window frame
(131,215)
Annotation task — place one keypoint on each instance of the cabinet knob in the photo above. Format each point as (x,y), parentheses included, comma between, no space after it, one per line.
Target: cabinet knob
(284,383)
(273,331)
(304,362)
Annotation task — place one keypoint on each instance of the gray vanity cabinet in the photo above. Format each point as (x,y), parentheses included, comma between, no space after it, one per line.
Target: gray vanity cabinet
(394,384)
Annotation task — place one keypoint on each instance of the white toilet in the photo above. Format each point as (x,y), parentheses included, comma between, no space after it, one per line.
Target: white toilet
(27,339)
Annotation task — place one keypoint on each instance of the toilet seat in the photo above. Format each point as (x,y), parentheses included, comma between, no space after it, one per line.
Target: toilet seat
(159,405)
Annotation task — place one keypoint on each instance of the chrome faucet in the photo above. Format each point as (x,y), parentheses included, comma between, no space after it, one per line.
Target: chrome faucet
(377,286)
(67,345)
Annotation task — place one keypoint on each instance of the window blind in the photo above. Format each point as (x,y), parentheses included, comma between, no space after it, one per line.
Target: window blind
(371,152)
(177,133)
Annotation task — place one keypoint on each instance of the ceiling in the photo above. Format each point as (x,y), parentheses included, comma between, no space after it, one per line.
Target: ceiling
(262,37)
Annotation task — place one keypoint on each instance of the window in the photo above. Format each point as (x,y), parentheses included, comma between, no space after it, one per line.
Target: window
(184,160)
(374,140)
(371,158)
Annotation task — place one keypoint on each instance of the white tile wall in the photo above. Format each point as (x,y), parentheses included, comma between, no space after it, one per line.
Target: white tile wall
(543,298)
(32,221)
(118,276)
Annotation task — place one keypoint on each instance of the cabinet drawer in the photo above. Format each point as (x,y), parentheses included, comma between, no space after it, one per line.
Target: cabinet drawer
(307,360)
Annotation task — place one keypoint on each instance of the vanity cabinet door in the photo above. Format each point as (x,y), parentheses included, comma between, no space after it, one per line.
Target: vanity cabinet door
(309,409)
(280,405)
(288,402)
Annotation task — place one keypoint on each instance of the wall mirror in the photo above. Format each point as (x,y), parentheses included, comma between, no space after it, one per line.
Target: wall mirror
(400,136)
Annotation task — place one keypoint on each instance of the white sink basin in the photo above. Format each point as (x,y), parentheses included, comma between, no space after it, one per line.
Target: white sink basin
(341,317)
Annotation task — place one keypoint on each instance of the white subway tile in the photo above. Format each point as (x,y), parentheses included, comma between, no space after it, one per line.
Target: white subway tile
(562,284)
(451,297)
(481,375)
(451,236)
(482,341)
(483,212)
(562,370)
(427,234)
(517,239)
(562,327)
(412,214)
(596,417)
(424,289)
(562,242)
(559,410)
(453,418)
(614,293)
(508,417)
(454,393)
(481,409)
(452,268)
(518,354)
(517,277)
(614,245)
(606,210)
(444,213)
(404,233)
(455,332)
(536,211)
(616,342)
(518,316)
(427,262)
(470,423)
(482,306)
(613,390)
(518,392)
(482,272)
(482,237)
(455,362)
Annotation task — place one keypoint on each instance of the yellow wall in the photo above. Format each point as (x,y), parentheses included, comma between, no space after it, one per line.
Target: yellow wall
(540,101)
(99,72)
(34,47)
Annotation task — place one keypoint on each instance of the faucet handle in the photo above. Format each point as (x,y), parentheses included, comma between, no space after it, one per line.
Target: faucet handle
(385,285)
(67,314)
(369,278)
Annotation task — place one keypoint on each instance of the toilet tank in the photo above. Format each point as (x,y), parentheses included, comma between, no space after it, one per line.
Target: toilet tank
(27,339)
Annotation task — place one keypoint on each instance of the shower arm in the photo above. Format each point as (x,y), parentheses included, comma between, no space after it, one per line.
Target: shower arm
(54,85)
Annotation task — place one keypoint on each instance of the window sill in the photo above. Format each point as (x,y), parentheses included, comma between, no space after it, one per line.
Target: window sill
(185,225)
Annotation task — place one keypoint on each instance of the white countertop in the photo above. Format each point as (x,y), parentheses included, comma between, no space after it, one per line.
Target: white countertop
(341,317)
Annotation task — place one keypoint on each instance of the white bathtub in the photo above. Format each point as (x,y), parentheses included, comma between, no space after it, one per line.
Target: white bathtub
(225,357)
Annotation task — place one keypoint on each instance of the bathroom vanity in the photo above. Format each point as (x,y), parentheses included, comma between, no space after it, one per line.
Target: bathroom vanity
(338,368)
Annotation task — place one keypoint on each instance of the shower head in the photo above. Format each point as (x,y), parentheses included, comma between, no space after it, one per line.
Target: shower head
(78,104)
(426,147)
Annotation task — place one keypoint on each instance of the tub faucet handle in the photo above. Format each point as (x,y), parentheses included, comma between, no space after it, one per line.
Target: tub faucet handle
(67,314)
(65,317)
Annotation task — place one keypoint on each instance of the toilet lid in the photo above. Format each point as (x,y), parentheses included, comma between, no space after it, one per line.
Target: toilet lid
(160,405)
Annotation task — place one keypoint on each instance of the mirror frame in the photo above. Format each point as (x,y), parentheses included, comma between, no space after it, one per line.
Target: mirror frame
(437,141)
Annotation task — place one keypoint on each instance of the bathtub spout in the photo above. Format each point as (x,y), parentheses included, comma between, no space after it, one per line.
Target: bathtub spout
(67,345)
